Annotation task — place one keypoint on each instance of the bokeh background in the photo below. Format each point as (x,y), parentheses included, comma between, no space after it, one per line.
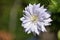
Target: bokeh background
(12,10)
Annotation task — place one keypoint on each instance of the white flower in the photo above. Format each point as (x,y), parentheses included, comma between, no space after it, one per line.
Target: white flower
(35,19)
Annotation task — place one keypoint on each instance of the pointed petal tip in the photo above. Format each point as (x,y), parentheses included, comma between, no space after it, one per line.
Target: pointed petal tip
(42,6)
(30,4)
(44,30)
(28,32)
(38,4)
(21,19)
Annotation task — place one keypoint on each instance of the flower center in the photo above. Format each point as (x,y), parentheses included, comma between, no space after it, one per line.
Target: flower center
(34,18)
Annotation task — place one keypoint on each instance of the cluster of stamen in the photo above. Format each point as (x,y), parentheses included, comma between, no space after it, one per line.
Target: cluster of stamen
(34,18)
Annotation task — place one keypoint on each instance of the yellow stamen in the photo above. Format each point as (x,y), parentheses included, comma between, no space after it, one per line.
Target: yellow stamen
(34,18)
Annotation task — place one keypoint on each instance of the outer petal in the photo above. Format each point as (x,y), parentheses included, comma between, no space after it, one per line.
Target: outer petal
(27,13)
(48,20)
(29,32)
(32,29)
(29,9)
(38,5)
(25,21)
(29,27)
(22,19)
(46,14)
(41,24)
(30,5)
(36,30)
(35,7)
(46,23)
(26,25)
(41,10)
(43,28)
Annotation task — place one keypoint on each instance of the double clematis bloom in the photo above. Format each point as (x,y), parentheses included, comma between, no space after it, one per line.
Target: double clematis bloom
(35,19)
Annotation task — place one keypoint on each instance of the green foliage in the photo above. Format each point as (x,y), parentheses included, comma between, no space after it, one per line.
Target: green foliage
(54,8)
(59,35)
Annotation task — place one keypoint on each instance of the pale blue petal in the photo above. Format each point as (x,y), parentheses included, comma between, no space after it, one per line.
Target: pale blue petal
(46,24)
(48,20)
(26,25)
(29,9)
(46,14)
(28,28)
(36,29)
(43,28)
(29,32)
(22,19)
(27,13)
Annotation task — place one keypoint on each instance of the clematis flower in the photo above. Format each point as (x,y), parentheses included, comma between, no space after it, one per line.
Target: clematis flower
(35,19)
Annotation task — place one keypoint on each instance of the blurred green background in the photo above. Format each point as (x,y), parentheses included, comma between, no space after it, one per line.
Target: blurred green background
(11,12)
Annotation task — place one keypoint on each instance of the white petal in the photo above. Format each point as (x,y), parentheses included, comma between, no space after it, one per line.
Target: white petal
(26,21)
(46,23)
(34,4)
(27,13)
(35,8)
(32,29)
(26,24)
(42,7)
(29,27)
(39,27)
(48,20)
(43,29)
(36,30)
(38,5)
(40,23)
(31,5)
(26,17)
(29,9)
(47,15)
(22,18)
(29,32)
(42,10)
